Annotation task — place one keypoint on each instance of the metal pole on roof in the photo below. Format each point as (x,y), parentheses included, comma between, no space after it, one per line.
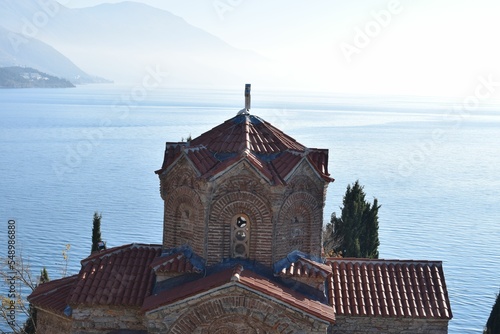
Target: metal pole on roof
(247,96)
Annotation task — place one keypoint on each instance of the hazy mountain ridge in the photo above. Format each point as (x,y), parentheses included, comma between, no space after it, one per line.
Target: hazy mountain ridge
(119,41)
(17,50)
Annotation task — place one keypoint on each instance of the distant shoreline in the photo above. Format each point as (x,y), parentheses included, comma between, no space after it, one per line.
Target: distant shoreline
(15,77)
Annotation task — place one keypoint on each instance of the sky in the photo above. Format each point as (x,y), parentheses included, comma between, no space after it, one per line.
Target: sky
(425,47)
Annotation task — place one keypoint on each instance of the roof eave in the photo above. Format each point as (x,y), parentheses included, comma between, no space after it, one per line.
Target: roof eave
(317,172)
(176,161)
(167,145)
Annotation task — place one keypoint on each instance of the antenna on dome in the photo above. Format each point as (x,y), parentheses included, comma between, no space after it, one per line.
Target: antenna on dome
(247,96)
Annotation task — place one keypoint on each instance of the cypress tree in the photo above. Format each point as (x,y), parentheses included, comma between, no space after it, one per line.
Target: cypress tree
(369,234)
(44,276)
(493,323)
(96,232)
(355,232)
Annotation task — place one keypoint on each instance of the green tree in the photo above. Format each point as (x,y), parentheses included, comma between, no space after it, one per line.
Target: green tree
(493,323)
(96,232)
(44,276)
(355,232)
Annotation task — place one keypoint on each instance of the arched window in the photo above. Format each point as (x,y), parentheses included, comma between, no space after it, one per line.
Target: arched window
(240,236)
(184,225)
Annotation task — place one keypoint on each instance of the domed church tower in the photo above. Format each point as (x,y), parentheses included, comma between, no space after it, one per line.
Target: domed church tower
(244,189)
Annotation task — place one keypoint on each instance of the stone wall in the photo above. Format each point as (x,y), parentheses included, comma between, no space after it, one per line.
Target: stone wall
(386,325)
(231,310)
(102,319)
(49,323)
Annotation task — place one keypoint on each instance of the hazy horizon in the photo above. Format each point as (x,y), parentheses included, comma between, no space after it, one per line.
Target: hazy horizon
(438,48)
(434,48)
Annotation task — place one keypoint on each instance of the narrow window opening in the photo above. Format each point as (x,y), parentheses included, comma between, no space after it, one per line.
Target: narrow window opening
(240,237)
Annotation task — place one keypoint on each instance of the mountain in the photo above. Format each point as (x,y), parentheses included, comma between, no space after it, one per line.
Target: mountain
(26,77)
(121,41)
(17,50)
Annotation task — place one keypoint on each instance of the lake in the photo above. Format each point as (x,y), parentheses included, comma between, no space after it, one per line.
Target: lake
(433,166)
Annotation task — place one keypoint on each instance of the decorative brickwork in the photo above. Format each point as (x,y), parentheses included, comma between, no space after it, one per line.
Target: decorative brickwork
(298,225)
(241,177)
(223,212)
(304,179)
(244,167)
(181,174)
(288,216)
(231,310)
(184,219)
(300,218)
(184,214)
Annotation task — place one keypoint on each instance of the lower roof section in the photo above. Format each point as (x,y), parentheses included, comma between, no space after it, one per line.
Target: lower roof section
(125,276)
(52,296)
(389,288)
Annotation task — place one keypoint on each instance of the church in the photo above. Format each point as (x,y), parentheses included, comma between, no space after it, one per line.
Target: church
(241,253)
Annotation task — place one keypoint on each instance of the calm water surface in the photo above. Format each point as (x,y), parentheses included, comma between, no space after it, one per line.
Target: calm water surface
(67,153)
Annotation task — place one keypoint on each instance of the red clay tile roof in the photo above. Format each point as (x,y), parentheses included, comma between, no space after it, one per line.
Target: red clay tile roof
(246,279)
(202,159)
(319,159)
(273,153)
(285,163)
(172,152)
(246,132)
(186,290)
(356,287)
(117,276)
(306,268)
(389,288)
(177,262)
(53,295)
